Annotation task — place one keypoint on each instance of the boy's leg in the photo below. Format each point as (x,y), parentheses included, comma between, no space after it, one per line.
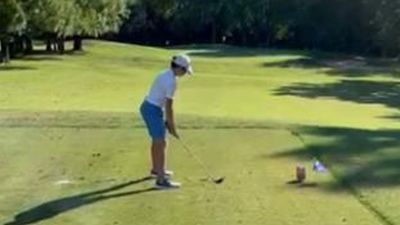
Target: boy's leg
(158,148)
(158,151)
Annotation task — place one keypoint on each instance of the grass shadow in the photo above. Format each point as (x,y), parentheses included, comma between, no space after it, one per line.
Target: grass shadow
(308,63)
(118,120)
(43,52)
(56,207)
(38,58)
(332,64)
(359,91)
(356,157)
(341,65)
(301,184)
(223,51)
(43,55)
(15,68)
(392,117)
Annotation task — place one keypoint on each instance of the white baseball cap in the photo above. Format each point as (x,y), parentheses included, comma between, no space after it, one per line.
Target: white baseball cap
(183,61)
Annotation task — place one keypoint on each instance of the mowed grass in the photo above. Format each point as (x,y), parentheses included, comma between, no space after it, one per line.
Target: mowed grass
(74,150)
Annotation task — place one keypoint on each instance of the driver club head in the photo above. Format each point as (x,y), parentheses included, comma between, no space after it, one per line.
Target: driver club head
(219,180)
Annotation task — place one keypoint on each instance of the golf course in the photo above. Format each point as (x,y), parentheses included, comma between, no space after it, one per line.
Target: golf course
(74,148)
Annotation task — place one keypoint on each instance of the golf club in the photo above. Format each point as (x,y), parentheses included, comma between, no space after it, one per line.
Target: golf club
(298,136)
(217,180)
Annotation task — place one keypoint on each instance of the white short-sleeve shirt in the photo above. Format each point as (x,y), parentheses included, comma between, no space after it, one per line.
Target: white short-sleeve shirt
(163,87)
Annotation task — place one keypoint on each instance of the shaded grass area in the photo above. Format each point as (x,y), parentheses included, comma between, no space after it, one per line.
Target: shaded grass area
(359,91)
(364,162)
(364,157)
(226,51)
(15,68)
(332,64)
(53,208)
(342,65)
(255,190)
(116,120)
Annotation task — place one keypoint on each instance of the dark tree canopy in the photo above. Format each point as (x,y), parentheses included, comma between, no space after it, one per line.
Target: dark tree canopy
(56,20)
(361,26)
(356,26)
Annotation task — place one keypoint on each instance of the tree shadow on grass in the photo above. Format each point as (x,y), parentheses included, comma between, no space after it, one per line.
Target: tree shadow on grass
(392,117)
(43,55)
(42,52)
(303,62)
(38,58)
(359,91)
(341,65)
(117,120)
(224,51)
(15,68)
(329,63)
(56,207)
(356,157)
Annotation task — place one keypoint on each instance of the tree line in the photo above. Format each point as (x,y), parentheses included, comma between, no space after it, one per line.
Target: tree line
(356,26)
(21,21)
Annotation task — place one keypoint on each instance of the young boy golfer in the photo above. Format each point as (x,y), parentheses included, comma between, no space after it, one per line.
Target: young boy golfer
(159,101)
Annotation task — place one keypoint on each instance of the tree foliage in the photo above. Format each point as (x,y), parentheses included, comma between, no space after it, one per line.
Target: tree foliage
(56,20)
(363,26)
(12,17)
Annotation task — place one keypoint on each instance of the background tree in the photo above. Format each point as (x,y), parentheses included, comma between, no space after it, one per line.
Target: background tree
(386,23)
(12,22)
(95,18)
(358,26)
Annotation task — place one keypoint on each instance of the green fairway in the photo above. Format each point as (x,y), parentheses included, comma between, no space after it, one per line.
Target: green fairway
(74,149)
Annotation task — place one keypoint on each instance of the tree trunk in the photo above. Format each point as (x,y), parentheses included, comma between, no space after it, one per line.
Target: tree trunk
(214,33)
(11,49)
(28,44)
(1,51)
(18,46)
(54,43)
(61,45)
(77,43)
(5,50)
(243,39)
(49,47)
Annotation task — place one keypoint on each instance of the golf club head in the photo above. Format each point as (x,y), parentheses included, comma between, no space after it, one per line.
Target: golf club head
(219,180)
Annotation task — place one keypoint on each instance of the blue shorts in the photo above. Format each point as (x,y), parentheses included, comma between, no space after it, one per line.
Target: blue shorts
(153,116)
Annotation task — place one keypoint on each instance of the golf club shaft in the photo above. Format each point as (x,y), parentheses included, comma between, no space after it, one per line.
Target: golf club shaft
(191,154)
(298,136)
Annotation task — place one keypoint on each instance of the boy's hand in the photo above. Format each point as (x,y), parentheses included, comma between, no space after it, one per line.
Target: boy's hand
(171,129)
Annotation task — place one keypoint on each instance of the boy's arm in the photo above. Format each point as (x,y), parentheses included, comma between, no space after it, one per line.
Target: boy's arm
(170,123)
